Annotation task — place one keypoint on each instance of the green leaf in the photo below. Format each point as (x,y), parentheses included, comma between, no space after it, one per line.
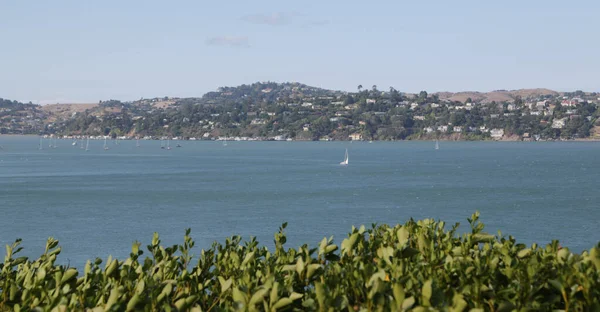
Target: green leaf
(348,243)
(248,258)
(321,295)
(225,284)
(556,284)
(426,292)
(408,303)
(506,307)
(524,253)
(239,296)
(135,299)
(274,293)
(398,291)
(282,303)
(403,236)
(258,296)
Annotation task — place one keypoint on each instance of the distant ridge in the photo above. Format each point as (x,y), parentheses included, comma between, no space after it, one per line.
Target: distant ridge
(497,96)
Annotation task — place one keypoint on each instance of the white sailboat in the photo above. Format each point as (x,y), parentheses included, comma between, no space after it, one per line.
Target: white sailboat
(345,162)
(87,144)
(437,145)
(105,146)
(168,144)
(55,143)
(74,142)
(225,142)
(137,142)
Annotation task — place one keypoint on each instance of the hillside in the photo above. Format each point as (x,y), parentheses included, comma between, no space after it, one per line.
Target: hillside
(497,96)
(278,111)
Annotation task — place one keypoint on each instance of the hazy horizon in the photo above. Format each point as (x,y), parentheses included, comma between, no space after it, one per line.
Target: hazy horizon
(76,52)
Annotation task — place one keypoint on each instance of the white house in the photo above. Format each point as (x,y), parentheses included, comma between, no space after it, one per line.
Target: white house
(497,133)
(355,137)
(559,123)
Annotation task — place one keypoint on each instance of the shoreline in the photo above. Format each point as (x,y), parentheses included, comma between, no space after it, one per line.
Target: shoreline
(293,140)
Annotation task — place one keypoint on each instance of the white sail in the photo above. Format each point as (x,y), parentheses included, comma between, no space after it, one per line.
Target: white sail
(345,162)
(87,144)
(105,147)
(437,145)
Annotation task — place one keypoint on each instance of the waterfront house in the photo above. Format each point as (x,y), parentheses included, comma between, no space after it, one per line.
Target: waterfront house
(497,133)
(356,136)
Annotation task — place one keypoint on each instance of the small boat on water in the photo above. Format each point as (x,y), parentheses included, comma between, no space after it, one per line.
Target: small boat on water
(345,161)
(437,145)
(105,146)
(41,142)
(137,142)
(168,144)
(178,145)
(87,144)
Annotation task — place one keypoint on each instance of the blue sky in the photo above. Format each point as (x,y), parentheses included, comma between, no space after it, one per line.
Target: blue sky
(85,51)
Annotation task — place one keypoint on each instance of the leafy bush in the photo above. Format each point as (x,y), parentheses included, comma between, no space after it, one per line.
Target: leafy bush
(418,266)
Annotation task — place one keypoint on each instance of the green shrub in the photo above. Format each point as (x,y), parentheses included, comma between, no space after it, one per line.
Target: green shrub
(418,266)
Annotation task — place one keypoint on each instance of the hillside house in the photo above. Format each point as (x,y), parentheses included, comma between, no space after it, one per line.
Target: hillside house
(497,133)
(355,137)
(559,123)
(569,103)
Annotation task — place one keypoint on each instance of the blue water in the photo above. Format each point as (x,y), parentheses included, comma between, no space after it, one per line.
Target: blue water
(98,202)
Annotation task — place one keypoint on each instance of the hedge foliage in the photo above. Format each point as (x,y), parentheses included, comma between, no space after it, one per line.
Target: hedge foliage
(418,266)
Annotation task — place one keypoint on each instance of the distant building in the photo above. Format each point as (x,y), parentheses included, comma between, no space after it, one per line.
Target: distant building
(258,121)
(559,123)
(497,133)
(355,137)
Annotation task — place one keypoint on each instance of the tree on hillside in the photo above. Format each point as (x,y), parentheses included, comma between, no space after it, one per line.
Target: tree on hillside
(359,88)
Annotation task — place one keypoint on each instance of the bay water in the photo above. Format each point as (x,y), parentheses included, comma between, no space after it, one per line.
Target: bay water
(96,203)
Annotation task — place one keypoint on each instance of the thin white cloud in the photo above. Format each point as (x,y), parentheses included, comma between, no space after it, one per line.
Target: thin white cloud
(274,19)
(317,23)
(232,41)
